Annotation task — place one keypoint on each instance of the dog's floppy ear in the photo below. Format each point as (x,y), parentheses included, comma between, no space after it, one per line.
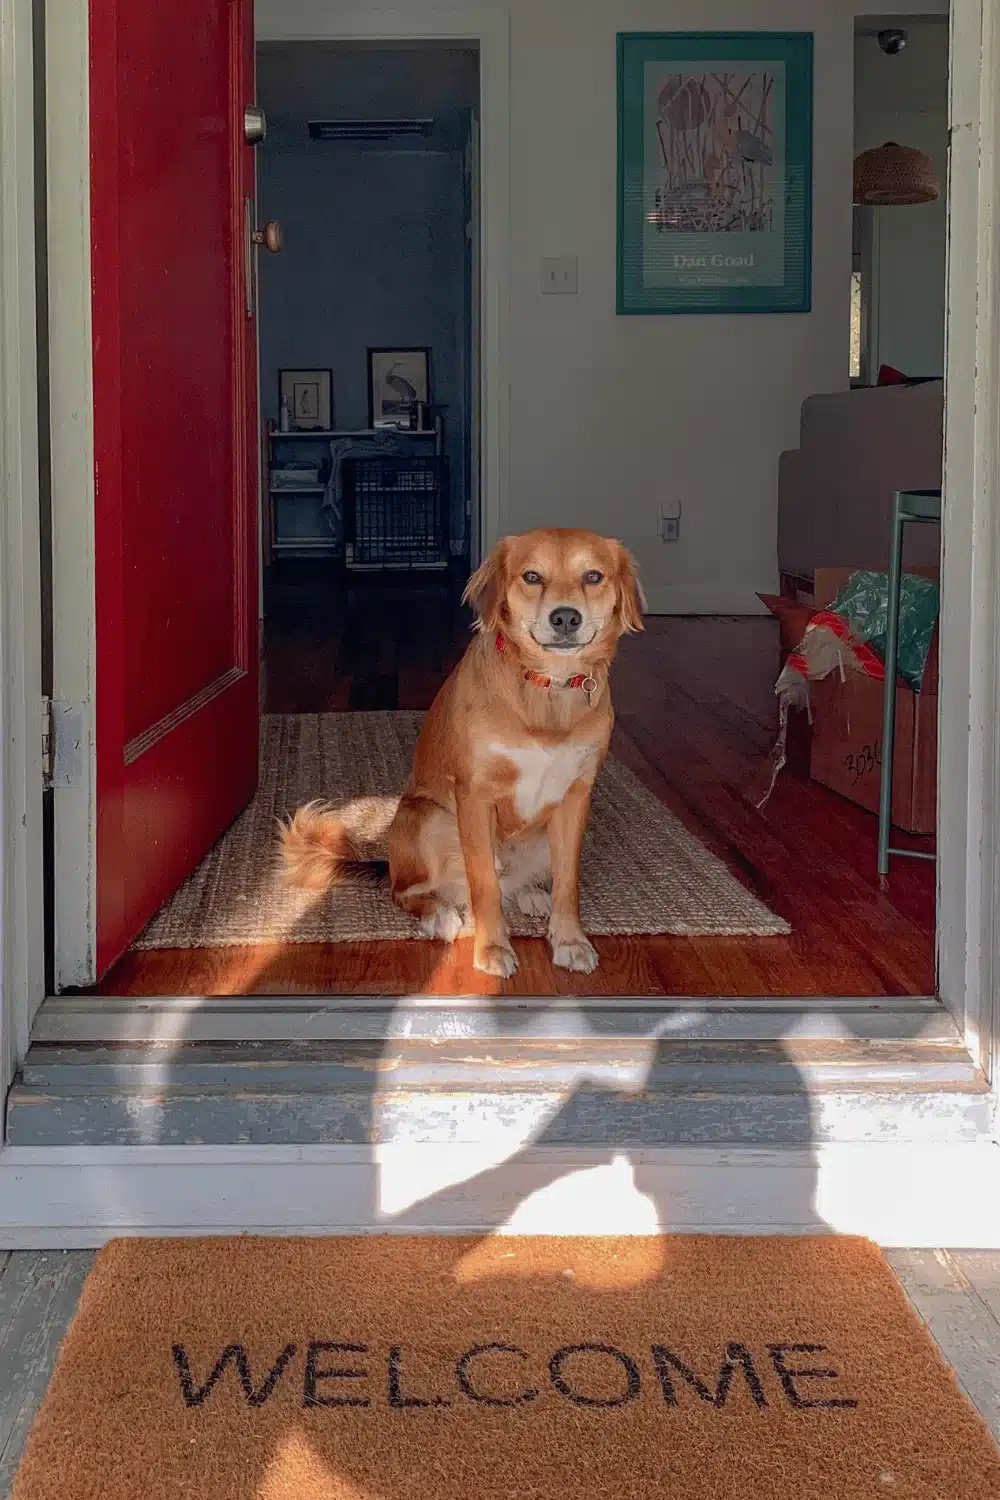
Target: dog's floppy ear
(631,600)
(484,592)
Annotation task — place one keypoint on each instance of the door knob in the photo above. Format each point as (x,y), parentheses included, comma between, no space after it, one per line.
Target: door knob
(270,236)
(254,124)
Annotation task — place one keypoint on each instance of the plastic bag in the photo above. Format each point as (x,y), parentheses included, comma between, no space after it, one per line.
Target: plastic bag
(829,645)
(863,602)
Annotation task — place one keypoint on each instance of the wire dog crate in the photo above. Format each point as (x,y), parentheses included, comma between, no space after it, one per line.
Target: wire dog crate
(396,513)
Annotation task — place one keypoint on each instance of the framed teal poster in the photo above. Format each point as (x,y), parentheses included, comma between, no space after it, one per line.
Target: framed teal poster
(714,171)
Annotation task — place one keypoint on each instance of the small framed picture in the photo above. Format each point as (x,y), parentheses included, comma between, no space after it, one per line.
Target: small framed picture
(397,380)
(308,397)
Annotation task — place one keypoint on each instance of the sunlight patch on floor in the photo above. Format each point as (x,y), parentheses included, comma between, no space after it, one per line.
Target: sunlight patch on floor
(411,1172)
(592,1201)
(297,1470)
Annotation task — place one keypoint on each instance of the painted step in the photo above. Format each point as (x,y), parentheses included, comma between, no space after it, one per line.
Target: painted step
(561,1093)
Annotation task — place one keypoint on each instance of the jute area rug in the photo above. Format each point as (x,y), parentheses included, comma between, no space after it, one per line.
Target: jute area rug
(643,872)
(396,1368)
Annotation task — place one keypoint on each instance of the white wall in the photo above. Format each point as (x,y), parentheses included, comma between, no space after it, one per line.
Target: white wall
(905,99)
(609,416)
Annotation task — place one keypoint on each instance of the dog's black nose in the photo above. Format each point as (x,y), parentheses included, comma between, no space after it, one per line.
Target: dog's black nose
(565,620)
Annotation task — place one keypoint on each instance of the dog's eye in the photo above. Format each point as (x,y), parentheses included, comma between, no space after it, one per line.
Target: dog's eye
(593,576)
(531,576)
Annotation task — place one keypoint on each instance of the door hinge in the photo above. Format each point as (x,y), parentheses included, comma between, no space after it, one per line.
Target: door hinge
(46,743)
(62,743)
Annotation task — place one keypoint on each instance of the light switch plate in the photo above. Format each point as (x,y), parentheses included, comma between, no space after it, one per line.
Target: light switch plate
(559,276)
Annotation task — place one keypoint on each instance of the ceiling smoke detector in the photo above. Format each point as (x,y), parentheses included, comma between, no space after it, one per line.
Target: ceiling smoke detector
(892,41)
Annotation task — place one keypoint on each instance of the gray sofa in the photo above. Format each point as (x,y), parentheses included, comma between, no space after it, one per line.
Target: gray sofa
(835,490)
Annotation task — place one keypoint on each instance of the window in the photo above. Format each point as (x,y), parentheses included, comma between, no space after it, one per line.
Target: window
(861,298)
(856,318)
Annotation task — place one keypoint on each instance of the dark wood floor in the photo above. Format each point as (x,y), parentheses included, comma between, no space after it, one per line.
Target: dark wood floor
(695,720)
(335,645)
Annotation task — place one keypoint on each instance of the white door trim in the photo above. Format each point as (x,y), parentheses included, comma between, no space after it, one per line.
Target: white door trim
(71,423)
(983,854)
(969,816)
(897,1195)
(22,975)
(429,20)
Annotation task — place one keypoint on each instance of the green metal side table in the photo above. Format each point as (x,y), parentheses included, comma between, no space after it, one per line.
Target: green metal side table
(907,505)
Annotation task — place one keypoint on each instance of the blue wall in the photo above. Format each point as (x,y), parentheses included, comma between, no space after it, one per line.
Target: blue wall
(374,254)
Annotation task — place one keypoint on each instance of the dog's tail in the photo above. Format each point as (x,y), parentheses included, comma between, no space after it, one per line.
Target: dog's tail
(317,852)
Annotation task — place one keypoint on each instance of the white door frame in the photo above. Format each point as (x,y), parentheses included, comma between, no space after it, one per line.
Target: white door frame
(970,699)
(72,478)
(968,779)
(898,1194)
(476,533)
(22,969)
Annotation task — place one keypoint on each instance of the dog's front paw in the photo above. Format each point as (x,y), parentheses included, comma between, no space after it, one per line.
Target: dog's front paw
(442,922)
(533,901)
(573,950)
(495,958)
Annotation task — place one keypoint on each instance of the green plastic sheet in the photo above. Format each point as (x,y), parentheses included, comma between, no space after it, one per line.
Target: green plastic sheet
(864,602)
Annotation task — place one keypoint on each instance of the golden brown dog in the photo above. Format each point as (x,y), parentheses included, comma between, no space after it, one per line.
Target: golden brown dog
(499,794)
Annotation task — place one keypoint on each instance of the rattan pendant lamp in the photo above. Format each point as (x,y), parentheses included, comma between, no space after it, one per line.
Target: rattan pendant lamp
(890,176)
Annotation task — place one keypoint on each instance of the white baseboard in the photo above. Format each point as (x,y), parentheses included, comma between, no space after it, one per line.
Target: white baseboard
(900,1196)
(705,598)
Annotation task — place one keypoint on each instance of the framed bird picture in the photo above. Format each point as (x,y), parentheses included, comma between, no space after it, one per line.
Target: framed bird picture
(714,171)
(305,400)
(398,379)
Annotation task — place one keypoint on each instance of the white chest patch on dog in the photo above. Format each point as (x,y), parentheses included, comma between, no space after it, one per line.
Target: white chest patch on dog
(544,774)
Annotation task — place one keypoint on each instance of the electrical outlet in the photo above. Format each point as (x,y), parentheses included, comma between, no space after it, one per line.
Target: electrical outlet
(559,276)
(670,520)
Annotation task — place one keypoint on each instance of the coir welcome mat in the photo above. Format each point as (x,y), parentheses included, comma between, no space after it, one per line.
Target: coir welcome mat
(455,1369)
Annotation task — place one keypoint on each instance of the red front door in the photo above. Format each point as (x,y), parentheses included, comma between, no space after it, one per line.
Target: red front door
(174,368)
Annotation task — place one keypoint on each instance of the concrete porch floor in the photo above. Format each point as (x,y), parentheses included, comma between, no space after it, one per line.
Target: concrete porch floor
(956,1293)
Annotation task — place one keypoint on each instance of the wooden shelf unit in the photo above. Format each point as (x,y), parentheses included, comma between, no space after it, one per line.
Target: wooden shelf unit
(271,542)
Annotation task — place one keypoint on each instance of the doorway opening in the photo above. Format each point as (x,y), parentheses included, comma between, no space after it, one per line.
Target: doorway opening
(898,291)
(353,402)
(693,715)
(368,345)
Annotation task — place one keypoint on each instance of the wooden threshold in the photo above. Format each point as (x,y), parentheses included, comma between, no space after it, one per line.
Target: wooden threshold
(173,1019)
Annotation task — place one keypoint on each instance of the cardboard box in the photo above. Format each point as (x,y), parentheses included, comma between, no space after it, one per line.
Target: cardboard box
(846,752)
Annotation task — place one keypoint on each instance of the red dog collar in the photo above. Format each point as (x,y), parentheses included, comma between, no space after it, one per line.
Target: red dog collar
(539,679)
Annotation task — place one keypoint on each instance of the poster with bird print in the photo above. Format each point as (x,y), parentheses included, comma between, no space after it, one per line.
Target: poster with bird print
(715,149)
(398,380)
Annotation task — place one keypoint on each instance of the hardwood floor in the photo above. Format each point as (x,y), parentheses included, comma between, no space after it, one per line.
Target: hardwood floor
(696,719)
